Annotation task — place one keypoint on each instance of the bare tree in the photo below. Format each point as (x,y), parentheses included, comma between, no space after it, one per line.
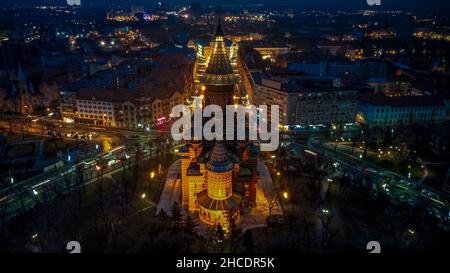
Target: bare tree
(328,233)
(271,201)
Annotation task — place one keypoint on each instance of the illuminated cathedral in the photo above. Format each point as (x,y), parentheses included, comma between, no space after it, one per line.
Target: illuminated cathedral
(219,177)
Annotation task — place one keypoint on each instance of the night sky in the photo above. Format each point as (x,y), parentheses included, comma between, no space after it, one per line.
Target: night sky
(398,4)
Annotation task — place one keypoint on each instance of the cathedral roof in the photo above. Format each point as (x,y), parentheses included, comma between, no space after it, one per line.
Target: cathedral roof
(219,70)
(219,160)
(212,204)
(219,31)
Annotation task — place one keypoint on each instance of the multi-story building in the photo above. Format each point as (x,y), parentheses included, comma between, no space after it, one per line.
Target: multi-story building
(156,86)
(107,107)
(126,109)
(379,110)
(21,96)
(308,101)
(272,52)
(318,69)
(367,68)
(394,86)
(269,92)
(322,105)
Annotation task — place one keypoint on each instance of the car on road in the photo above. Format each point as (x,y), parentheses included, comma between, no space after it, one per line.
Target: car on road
(430,194)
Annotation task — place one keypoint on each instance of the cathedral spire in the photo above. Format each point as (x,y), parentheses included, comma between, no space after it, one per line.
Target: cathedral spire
(219,70)
(219,31)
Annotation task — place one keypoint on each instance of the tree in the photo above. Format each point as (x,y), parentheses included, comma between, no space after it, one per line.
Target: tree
(220,233)
(248,241)
(11,131)
(190,225)
(162,213)
(80,176)
(328,233)
(176,212)
(3,211)
(138,157)
(271,201)
(235,235)
(308,235)
(150,150)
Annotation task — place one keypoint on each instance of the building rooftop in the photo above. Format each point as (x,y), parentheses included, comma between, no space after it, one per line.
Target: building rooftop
(212,204)
(219,70)
(219,159)
(110,95)
(380,99)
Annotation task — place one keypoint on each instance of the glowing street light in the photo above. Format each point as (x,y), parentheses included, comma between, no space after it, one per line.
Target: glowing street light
(152,175)
(325,211)
(98,168)
(143,195)
(35,192)
(285,195)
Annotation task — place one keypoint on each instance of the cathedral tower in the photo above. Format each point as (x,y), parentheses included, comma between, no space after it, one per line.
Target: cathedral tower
(219,80)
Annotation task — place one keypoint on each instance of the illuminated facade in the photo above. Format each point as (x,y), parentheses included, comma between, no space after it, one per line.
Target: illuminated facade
(218,177)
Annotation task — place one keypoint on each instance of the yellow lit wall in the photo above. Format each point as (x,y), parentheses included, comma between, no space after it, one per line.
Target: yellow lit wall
(219,185)
(196,185)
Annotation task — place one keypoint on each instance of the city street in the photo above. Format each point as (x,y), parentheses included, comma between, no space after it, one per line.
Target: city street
(402,189)
(25,194)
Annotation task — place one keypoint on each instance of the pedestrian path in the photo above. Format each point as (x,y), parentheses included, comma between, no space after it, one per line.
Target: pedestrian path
(172,189)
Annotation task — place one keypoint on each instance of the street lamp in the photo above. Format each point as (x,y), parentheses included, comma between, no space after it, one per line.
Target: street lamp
(285,195)
(143,195)
(152,175)
(325,211)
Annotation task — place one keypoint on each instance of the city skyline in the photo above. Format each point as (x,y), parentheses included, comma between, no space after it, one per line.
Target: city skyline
(324,4)
(142,129)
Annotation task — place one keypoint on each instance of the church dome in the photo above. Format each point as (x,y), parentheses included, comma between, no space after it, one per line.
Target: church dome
(219,160)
